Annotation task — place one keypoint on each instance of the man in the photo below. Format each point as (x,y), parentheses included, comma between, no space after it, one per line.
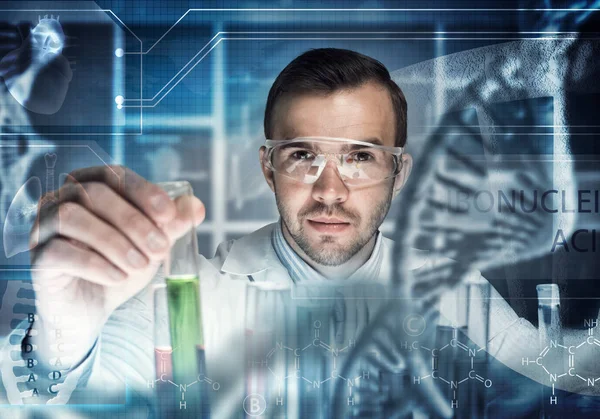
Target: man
(336,125)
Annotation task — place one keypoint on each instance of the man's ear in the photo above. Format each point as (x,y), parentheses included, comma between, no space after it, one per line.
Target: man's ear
(268,173)
(402,177)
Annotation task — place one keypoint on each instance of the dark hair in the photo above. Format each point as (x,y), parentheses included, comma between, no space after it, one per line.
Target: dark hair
(326,70)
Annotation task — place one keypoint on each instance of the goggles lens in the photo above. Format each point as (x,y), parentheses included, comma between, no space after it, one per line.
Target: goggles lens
(359,163)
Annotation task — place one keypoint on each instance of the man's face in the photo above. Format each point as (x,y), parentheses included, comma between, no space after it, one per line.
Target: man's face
(328,221)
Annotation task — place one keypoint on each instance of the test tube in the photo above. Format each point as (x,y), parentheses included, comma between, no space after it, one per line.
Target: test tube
(478,316)
(164,400)
(550,335)
(549,324)
(183,299)
(162,337)
(479,293)
(269,346)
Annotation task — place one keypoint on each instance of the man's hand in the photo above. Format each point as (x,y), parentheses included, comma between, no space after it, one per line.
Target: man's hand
(97,242)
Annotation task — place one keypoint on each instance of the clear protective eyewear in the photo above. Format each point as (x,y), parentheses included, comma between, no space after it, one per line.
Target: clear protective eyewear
(359,163)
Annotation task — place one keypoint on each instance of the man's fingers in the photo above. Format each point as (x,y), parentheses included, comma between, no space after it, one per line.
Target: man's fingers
(149,198)
(129,220)
(104,203)
(77,223)
(190,213)
(60,257)
(48,208)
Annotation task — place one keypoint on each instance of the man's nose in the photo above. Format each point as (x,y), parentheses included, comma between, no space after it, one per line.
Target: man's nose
(330,188)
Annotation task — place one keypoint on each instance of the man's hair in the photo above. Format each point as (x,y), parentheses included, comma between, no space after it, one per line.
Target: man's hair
(327,70)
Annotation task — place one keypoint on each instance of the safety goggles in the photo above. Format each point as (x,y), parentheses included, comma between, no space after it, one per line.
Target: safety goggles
(359,163)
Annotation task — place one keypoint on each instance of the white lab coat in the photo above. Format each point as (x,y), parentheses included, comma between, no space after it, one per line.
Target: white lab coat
(125,350)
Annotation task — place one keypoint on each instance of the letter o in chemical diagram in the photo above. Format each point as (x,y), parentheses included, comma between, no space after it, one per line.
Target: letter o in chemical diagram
(254,404)
(216,386)
(317,324)
(487,383)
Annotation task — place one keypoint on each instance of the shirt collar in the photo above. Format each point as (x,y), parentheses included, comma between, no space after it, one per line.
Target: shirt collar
(255,252)
(299,270)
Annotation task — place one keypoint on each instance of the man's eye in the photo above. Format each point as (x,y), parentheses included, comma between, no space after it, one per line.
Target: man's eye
(302,155)
(361,157)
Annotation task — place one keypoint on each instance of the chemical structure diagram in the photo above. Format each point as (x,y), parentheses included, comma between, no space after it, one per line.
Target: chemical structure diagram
(268,363)
(551,358)
(164,374)
(436,353)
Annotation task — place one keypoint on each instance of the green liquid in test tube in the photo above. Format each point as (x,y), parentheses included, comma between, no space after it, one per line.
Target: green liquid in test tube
(185,326)
(183,299)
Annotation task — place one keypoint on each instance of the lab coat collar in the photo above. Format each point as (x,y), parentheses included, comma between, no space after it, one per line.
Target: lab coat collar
(254,253)
(251,254)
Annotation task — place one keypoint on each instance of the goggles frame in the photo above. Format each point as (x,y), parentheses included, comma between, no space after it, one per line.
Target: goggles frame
(270,145)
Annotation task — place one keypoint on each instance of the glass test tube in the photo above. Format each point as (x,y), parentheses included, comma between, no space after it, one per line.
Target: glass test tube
(320,312)
(452,362)
(268,337)
(162,337)
(165,399)
(549,324)
(550,334)
(183,301)
(479,293)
